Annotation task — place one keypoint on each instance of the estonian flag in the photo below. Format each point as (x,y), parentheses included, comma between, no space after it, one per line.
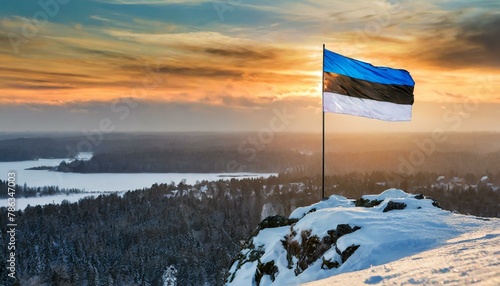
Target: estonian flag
(358,88)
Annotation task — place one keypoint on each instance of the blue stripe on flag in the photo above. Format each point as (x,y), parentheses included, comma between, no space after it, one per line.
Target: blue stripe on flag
(339,64)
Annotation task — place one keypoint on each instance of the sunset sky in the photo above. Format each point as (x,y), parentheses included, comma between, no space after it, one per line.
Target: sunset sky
(195,65)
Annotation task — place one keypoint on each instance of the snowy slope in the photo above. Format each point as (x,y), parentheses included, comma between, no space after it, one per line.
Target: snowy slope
(335,236)
(471,258)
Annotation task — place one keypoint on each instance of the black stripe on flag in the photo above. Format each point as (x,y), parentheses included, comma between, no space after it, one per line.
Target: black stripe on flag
(394,93)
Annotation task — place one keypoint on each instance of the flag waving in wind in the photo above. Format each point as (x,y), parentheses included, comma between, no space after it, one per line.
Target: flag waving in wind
(358,88)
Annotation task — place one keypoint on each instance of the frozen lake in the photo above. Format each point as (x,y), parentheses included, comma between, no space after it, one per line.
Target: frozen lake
(106,182)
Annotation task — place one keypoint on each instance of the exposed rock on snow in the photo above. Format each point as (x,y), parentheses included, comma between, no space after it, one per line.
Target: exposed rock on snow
(472,258)
(340,235)
(275,221)
(394,206)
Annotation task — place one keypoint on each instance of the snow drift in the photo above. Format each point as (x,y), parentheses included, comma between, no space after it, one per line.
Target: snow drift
(340,235)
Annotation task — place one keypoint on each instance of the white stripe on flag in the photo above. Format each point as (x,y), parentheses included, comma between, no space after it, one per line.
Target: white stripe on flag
(338,103)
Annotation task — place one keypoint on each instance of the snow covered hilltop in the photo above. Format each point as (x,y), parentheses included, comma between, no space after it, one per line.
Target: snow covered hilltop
(340,235)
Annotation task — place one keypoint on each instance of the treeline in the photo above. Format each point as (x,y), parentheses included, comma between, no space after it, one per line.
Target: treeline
(64,145)
(181,161)
(67,145)
(22,149)
(288,152)
(159,160)
(26,192)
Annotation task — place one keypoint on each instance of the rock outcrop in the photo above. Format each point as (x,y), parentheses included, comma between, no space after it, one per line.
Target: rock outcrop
(325,237)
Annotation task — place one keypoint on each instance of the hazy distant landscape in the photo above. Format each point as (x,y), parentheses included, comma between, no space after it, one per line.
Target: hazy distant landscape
(218,205)
(126,161)
(475,153)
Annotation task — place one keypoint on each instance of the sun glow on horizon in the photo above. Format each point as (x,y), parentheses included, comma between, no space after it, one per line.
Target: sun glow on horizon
(187,54)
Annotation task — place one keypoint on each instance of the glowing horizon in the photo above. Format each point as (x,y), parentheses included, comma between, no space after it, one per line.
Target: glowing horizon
(244,55)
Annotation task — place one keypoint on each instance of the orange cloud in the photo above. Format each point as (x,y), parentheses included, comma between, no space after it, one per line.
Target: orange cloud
(446,55)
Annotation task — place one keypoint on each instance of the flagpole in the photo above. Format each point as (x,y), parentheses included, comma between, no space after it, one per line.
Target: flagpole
(323,113)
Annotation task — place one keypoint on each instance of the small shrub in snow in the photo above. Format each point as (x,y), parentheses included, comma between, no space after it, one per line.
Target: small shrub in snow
(267,268)
(329,264)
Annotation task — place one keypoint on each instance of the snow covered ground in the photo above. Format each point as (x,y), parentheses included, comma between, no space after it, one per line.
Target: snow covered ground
(334,238)
(471,258)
